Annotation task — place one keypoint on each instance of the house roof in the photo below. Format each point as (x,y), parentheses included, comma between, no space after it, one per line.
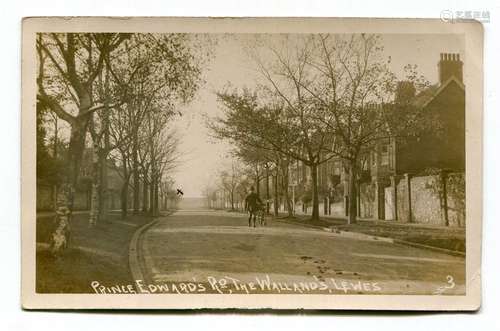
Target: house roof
(429,94)
(421,98)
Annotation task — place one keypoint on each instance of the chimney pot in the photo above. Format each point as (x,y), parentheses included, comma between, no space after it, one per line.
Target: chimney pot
(450,65)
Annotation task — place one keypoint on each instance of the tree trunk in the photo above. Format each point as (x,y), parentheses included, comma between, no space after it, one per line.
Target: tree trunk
(135,178)
(166,199)
(315,198)
(145,195)
(66,193)
(157,197)
(56,139)
(60,237)
(94,195)
(267,189)
(124,198)
(124,190)
(352,193)
(257,181)
(103,155)
(284,189)
(289,205)
(53,196)
(276,194)
(152,195)
(94,202)
(232,199)
(75,153)
(103,187)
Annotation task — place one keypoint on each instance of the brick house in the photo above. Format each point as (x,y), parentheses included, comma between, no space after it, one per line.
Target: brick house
(441,149)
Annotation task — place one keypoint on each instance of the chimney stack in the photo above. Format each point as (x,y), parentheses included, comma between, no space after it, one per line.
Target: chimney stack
(450,65)
(405,92)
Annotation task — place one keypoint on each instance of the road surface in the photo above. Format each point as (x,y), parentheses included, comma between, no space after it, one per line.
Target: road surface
(218,250)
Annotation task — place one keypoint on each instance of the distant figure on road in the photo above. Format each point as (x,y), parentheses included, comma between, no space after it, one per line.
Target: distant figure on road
(252,205)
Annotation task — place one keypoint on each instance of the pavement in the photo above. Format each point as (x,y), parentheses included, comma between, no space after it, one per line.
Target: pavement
(216,252)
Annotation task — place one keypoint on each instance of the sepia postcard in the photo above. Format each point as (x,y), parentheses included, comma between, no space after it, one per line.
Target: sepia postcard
(251,163)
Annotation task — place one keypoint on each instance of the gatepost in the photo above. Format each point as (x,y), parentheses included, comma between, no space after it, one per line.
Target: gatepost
(408,196)
(394,186)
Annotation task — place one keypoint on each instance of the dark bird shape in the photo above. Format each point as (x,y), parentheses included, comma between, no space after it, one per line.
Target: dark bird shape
(179,192)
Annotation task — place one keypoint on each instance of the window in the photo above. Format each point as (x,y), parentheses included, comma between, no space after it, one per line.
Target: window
(364,164)
(384,155)
(336,168)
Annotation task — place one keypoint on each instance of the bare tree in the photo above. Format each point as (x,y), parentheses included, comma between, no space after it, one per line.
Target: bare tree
(275,127)
(284,65)
(353,90)
(230,179)
(68,65)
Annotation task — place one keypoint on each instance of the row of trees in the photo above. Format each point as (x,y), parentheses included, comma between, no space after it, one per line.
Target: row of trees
(231,184)
(118,93)
(321,97)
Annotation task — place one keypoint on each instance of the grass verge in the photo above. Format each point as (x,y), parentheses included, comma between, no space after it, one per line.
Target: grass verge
(450,238)
(96,253)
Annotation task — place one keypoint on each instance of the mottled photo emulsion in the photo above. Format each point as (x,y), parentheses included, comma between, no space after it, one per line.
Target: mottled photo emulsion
(195,165)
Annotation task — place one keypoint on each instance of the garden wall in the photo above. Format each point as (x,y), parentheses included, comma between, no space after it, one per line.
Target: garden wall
(427,200)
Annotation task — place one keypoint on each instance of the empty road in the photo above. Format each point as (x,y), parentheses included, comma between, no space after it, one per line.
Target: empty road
(218,250)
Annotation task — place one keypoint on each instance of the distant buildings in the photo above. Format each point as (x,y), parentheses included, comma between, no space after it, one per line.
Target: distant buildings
(45,193)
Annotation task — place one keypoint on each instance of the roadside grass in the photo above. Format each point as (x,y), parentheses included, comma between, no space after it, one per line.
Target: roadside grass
(451,238)
(95,253)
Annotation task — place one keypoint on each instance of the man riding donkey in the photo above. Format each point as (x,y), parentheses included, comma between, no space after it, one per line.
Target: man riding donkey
(254,206)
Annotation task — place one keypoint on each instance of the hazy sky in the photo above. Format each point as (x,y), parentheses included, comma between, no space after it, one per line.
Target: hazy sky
(230,64)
